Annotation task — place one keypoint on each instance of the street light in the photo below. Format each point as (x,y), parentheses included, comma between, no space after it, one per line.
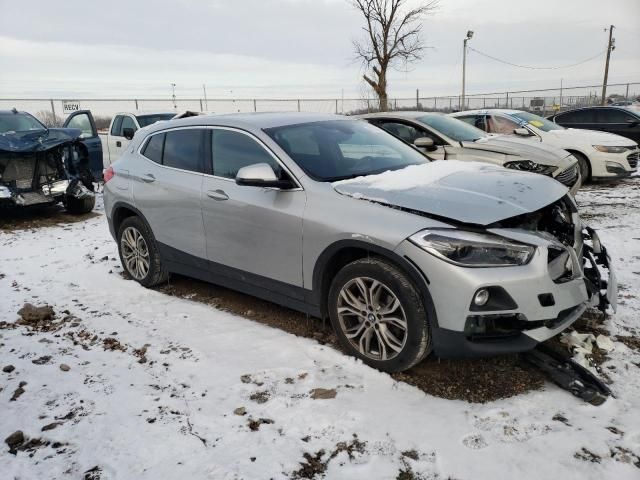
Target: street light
(464,64)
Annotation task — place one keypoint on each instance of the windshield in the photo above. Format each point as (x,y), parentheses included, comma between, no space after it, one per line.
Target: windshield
(146,120)
(536,121)
(19,122)
(339,149)
(453,128)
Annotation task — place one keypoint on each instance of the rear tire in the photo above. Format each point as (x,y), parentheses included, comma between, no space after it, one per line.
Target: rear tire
(79,206)
(139,254)
(378,315)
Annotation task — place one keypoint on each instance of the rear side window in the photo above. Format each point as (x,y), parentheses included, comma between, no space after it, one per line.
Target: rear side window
(577,116)
(153,149)
(183,149)
(116,128)
(234,150)
(613,115)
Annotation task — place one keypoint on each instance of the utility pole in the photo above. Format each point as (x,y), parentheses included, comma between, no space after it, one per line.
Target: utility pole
(173,95)
(206,104)
(610,47)
(464,65)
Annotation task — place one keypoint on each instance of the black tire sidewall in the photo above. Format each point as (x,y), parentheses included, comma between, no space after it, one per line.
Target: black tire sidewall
(418,344)
(79,206)
(156,273)
(583,165)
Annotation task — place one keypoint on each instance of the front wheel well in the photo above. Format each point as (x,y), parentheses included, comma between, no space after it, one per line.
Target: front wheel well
(580,155)
(334,259)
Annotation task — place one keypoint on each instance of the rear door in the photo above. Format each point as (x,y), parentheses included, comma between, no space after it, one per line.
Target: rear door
(83,120)
(584,118)
(253,234)
(618,121)
(167,183)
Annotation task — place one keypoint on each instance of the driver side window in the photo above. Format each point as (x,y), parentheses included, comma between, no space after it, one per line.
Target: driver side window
(234,150)
(502,125)
(127,122)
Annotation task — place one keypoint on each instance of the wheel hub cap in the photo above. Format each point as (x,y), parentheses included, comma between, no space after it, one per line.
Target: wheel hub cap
(372,318)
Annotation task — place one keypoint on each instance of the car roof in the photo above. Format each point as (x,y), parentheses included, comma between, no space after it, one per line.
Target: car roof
(259,121)
(626,108)
(399,114)
(142,113)
(507,111)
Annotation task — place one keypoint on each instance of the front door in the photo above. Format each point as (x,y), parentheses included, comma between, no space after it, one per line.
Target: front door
(83,121)
(253,234)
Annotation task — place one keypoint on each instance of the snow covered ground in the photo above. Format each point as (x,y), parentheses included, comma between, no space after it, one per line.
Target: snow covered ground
(217,396)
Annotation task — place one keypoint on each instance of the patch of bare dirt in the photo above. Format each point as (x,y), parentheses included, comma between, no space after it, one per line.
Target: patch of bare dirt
(31,218)
(315,465)
(475,380)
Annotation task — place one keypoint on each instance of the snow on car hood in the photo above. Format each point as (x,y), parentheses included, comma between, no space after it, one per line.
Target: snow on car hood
(468,192)
(594,136)
(537,152)
(37,140)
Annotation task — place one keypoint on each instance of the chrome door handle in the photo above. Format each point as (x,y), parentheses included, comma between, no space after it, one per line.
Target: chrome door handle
(219,195)
(148,178)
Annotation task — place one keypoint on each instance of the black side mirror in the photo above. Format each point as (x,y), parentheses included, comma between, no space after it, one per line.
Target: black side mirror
(128,133)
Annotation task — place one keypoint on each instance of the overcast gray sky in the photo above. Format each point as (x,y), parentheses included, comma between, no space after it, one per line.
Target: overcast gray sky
(297,48)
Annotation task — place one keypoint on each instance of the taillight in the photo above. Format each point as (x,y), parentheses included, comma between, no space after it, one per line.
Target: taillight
(108,174)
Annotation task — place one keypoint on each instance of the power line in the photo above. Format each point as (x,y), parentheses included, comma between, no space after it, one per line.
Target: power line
(536,68)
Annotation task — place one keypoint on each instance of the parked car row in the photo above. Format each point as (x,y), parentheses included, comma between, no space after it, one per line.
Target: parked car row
(339,218)
(601,155)
(422,232)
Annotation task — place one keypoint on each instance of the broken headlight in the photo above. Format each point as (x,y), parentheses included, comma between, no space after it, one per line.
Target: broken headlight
(529,166)
(472,249)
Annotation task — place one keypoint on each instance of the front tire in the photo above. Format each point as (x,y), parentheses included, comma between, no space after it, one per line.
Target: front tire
(139,254)
(584,166)
(378,315)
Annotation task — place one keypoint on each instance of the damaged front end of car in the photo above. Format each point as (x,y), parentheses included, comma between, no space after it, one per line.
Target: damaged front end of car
(45,167)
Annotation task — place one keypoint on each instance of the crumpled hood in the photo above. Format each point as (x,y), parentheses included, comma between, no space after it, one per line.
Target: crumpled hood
(594,136)
(37,140)
(468,192)
(525,148)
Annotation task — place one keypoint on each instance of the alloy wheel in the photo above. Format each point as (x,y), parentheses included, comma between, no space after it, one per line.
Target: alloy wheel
(135,253)
(372,318)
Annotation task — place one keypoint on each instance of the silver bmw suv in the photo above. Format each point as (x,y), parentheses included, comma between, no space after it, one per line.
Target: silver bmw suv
(337,218)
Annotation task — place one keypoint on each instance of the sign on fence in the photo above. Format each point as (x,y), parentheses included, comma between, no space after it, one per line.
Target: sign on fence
(70,106)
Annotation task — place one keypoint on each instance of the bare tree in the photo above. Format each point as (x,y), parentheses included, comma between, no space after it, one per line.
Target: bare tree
(49,119)
(392,37)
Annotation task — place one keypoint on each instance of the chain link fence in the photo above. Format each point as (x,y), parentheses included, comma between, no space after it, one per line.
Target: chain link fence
(543,102)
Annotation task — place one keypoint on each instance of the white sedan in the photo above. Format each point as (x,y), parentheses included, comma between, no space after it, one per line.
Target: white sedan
(601,155)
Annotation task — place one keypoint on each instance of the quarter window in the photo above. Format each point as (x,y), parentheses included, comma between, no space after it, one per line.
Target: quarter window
(183,149)
(153,149)
(233,150)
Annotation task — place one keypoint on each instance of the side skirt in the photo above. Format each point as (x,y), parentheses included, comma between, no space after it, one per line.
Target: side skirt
(290,296)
